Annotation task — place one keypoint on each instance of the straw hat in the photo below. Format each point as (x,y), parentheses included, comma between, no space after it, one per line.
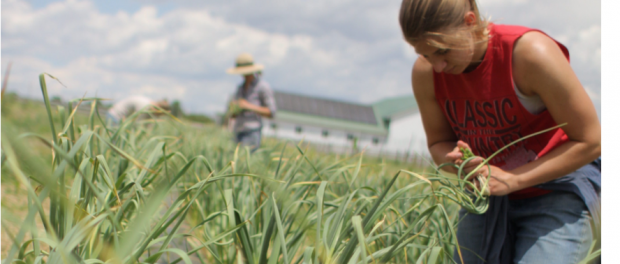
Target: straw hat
(245,65)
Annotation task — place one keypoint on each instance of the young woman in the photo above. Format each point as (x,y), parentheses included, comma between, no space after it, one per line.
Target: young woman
(481,86)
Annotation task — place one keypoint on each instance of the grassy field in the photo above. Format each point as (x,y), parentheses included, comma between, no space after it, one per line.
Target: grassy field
(163,191)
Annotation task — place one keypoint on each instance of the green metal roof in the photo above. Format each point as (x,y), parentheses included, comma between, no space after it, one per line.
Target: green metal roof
(390,106)
(328,113)
(326,122)
(329,108)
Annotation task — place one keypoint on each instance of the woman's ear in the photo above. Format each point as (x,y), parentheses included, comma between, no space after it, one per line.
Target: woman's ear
(470,18)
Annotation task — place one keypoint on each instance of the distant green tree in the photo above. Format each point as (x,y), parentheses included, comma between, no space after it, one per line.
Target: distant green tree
(175,109)
(56,99)
(198,118)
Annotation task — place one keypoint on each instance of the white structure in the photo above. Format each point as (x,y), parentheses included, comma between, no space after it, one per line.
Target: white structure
(389,127)
(332,124)
(406,133)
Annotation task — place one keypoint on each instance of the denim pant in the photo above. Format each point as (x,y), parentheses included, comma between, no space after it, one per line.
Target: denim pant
(552,228)
(249,138)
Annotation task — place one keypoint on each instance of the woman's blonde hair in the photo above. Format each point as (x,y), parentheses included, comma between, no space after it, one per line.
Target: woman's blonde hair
(421,19)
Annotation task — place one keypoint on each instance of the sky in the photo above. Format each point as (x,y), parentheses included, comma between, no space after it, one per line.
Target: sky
(346,50)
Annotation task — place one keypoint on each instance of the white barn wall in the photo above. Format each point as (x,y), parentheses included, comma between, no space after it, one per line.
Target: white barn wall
(336,138)
(407,135)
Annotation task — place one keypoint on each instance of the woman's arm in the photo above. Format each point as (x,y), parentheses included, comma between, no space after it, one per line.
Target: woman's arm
(441,140)
(539,67)
(261,110)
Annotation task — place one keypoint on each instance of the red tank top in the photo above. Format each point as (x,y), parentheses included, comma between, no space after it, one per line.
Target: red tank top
(484,110)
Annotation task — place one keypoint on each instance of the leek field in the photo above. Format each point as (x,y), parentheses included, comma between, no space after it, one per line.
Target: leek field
(75,190)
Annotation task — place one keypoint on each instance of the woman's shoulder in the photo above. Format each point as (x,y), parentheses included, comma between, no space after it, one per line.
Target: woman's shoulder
(422,76)
(525,43)
(533,53)
(522,34)
(422,69)
(422,66)
(535,46)
(507,35)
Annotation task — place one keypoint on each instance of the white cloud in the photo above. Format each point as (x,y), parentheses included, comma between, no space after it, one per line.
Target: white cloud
(351,50)
(117,55)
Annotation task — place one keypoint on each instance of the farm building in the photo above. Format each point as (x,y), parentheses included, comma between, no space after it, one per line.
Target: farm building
(401,117)
(389,126)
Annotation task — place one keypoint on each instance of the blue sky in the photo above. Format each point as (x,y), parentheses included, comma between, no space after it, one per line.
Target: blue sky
(112,7)
(346,50)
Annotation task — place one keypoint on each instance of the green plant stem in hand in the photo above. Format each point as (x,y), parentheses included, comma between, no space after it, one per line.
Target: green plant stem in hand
(466,193)
(234,109)
(466,153)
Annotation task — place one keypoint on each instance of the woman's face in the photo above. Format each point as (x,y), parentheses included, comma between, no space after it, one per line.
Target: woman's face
(452,61)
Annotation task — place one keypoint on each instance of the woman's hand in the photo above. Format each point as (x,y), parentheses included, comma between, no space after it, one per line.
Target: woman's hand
(500,183)
(244,104)
(261,110)
(456,156)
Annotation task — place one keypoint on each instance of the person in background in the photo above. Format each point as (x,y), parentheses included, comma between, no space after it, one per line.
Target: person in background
(126,107)
(481,86)
(252,101)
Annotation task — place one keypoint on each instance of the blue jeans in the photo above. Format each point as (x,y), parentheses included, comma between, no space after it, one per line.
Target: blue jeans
(552,228)
(249,138)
